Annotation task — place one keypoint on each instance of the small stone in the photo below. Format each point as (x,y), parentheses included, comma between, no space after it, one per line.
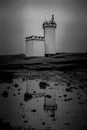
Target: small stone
(68,84)
(34,91)
(66,123)
(21,104)
(48,96)
(79,97)
(5,94)
(54,119)
(27,96)
(43,85)
(34,110)
(25,121)
(43,123)
(16,85)
(56,84)
(19,89)
(69,89)
(14,94)
(23,116)
(8,87)
(68,99)
(65,95)
(81,87)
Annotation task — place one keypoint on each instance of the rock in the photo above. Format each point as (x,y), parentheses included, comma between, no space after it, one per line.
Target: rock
(34,91)
(66,123)
(19,89)
(68,99)
(25,121)
(56,84)
(23,116)
(43,85)
(14,94)
(68,84)
(34,110)
(16,85)
(69,89)
(21,104)
(5,94)
(43,123)
(27,96)
(8,87)
(48,96)
(81,87)
(65,95)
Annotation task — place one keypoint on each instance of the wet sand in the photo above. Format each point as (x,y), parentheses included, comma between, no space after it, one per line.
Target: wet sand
(58,102)
(48,93)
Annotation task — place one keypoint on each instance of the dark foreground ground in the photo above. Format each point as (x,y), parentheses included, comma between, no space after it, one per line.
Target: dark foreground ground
(60,62)
(64,73)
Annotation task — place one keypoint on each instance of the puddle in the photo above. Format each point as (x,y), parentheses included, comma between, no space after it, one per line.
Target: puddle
(40,105)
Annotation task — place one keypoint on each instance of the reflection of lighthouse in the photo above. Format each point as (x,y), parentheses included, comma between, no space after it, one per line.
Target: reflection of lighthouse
(29,86)
(50,101)
(49,34)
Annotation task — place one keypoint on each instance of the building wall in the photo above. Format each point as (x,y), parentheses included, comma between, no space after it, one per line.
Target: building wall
(35,48)
(49,40)
(29,48)
(38,48)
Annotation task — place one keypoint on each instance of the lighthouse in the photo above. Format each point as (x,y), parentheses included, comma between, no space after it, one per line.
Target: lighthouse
(40,46)
(49,34)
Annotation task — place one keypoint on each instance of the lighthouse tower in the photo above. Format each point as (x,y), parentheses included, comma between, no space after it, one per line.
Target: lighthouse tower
(49,34)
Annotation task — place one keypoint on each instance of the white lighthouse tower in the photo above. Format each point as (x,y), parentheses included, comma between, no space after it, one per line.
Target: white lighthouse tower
(49,34)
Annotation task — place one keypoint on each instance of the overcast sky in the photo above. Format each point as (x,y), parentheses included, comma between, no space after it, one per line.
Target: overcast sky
(21,18)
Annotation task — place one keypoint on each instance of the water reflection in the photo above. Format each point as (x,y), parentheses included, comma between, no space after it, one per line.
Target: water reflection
(50,103)
(32,90)
(29,90)
(29,87)
(40,105)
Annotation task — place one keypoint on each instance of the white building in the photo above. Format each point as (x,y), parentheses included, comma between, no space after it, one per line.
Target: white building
(34,46)
(49,34)
(38,45)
